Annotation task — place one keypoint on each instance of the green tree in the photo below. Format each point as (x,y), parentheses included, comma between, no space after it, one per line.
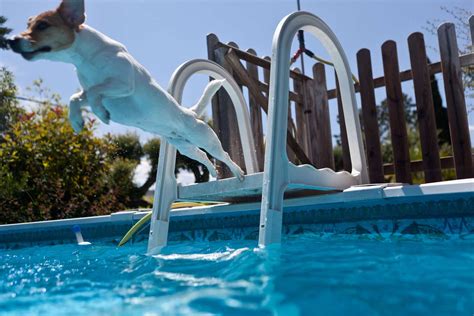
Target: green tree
(127,153)
(9,109)
(460,17)
(49,172)
(4,31)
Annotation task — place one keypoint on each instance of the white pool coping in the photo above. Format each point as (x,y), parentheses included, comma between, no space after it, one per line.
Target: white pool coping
(372,192)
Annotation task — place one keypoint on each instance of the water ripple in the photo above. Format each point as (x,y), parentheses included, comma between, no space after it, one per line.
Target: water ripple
(306,275)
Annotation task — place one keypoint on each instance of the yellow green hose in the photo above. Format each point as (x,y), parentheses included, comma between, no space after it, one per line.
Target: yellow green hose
(147,217)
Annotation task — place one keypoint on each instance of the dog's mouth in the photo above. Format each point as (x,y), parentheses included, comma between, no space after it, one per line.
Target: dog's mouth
(30,55)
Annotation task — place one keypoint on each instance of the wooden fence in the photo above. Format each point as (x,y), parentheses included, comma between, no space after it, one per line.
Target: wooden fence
(309,135)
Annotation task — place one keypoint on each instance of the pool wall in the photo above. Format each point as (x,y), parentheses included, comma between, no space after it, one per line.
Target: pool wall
(439,210)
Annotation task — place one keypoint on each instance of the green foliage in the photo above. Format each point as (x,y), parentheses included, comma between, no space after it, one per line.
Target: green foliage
(120,180)
(4,31)
(127,153)
(47,171)
(201,174)
(51,172)
(152,150)
(460,17)
(9,109)
(127,146)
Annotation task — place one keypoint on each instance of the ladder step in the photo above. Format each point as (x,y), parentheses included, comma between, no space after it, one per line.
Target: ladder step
(249,190)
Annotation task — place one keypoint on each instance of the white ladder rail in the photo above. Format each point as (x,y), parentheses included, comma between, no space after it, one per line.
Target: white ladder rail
(279,172)
(166,191)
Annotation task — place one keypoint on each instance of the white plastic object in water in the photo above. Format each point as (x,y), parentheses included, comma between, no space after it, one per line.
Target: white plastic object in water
(80,240)
(279,172)
(166,185)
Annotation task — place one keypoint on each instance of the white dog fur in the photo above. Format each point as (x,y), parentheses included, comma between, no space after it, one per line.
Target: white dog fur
(116,86)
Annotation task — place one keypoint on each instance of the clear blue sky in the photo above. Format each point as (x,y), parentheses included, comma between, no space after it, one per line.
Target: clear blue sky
(164,34)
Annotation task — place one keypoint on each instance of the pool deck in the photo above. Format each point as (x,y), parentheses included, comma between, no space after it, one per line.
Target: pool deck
(354,207)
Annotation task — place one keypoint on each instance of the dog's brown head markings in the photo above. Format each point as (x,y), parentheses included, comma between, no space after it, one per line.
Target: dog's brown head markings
(50,31)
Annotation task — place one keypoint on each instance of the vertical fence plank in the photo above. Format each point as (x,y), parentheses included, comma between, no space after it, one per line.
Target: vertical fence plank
(471,27)
(236,150)
(308,116)
(369,116)
(223,114)
(291,128)
(256,115)
(425,108)
(301,128)
(320,128)
(398,130)
(453,87)
(218,118)
(346,156)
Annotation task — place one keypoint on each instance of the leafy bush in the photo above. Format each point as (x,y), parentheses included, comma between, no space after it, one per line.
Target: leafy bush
(51,172)
(47,171)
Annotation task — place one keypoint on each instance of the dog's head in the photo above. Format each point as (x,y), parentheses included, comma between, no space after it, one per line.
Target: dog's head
(50,32)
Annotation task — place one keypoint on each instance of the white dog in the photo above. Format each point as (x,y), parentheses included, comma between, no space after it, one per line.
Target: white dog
(116,86)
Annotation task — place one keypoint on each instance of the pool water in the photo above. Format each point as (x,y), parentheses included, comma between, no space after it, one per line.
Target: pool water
(307,275)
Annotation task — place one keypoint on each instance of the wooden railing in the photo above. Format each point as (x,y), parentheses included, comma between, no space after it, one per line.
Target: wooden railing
(309,135)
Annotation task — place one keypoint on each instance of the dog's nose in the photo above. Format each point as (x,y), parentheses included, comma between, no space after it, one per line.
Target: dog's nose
(14,43)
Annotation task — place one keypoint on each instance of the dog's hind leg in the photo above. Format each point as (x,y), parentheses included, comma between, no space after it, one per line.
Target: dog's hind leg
(204,137)
(195,153)
(99,110)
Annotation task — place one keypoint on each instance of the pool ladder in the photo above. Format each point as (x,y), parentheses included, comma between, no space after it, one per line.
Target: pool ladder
(279,173)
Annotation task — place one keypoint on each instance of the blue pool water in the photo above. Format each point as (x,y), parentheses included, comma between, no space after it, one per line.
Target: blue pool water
(308,275)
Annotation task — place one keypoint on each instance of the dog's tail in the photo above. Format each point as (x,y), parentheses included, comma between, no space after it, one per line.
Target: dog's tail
(206,97)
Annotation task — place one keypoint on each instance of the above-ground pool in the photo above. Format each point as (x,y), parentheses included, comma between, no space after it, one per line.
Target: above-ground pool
(309,274)
(400,250)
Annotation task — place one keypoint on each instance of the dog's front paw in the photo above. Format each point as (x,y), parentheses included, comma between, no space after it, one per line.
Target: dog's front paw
(77,123)
(75,114)
(102,114)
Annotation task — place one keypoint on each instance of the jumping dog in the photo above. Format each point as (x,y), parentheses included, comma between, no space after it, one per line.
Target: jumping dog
(115,86)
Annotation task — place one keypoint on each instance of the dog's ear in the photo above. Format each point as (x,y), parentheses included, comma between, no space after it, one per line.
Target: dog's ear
(72,11)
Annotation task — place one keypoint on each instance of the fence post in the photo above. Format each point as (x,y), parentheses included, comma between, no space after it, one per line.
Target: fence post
(223,114)
(471,27)
(454,90)
(301,126)
(320,128)
(346,156)
(369,116)
(425,108)
(254,88)
(398,130)
(309,106)
(256,115)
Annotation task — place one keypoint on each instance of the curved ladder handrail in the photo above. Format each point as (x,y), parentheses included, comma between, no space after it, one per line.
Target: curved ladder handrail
(166,185)
(203,66)
(279,171)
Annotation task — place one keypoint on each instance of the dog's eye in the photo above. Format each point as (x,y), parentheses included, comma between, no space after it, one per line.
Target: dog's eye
(42,25)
